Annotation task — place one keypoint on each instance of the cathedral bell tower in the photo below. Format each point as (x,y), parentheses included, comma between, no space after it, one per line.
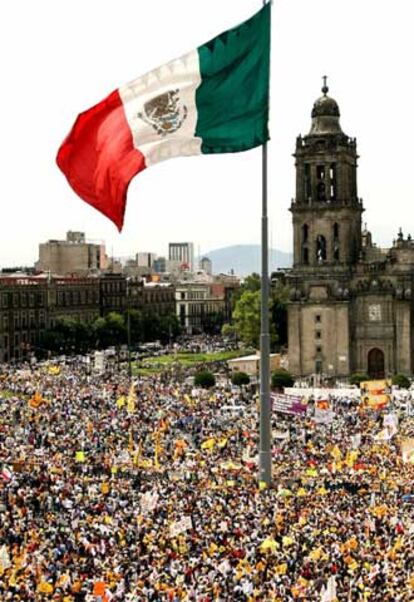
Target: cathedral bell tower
(326,211)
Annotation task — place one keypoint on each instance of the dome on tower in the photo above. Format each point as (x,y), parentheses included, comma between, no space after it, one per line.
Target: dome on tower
(325,115)
(325,106)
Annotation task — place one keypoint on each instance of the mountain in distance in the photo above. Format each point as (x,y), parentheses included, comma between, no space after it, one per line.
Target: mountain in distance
(246,259)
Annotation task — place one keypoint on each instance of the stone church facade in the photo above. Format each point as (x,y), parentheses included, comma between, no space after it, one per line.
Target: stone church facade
(351,303)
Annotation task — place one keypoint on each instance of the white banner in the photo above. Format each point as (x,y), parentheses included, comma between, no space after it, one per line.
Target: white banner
(181,526)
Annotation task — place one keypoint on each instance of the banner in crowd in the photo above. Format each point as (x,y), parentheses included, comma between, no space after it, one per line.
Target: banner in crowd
(323,412)
(407,450)
(287,404)
(375,393)
(180,526)
(149,501)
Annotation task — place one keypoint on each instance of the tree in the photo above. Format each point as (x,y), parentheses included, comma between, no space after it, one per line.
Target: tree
(280,297)
(281,378)
(204,379)
(251,283)
(110,330)
(67,336)
(228,330)
(402,381)
(240,378)
(246,319)
(169,328)
(358,377)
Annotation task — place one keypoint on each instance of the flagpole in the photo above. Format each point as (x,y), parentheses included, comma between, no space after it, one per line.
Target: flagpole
(265,454)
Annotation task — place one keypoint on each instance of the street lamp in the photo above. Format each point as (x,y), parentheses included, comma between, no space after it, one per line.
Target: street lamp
(128,327)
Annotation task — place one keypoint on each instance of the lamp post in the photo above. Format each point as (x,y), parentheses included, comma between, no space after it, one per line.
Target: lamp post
(128,327)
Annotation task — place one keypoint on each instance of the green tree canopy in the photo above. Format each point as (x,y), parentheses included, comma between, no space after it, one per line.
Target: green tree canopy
(281,378)
(358,377)
(240,378)
(110,330)
(204,379)
(246,318)
(402,381)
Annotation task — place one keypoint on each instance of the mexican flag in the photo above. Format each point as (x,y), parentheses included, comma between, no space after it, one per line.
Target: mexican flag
(214,99)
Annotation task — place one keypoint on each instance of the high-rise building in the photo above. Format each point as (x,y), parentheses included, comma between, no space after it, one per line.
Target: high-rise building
(182,252)
(145,260)
(160,265)
(71,256)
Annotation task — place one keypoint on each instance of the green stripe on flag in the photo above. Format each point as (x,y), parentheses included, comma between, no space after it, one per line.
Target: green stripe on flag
(233,97)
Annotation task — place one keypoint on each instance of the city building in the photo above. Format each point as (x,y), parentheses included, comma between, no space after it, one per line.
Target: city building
(29,305)
(75,255)
(160,265)
(145,260)
(206,265)
(351,303)
(203,307)
(183,253)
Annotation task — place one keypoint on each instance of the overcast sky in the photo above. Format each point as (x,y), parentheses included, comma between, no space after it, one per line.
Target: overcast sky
(61,57)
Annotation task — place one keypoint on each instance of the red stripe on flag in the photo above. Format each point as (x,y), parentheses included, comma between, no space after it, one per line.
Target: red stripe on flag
(99,159)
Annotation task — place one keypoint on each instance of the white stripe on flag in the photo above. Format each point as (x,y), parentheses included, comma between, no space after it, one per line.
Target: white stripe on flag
(174,86)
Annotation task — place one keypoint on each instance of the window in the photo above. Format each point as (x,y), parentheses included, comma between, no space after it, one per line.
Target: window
(320,183)
(318,334)
(318,366)
(332,182)
(320,249)
(308,182)
(305,250)
(318,318)
(336,242)
(318,349)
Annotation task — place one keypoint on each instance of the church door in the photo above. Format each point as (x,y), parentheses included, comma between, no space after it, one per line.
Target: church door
(376,363)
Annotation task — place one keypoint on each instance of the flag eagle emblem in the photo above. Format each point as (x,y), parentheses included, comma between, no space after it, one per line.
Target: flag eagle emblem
(164,113)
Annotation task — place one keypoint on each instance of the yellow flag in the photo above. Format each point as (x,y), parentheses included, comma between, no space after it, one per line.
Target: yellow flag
(120,402)
(208,443)
(137,455)
(281,569)
(131,400)
(80,456)
(45,588)
(131,445)
(287,541)
(336,453)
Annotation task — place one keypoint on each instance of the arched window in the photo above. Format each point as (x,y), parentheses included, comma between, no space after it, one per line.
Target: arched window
(332,182)
(320,249)
(336,241)
(308,183)
(320,183)
(304,244)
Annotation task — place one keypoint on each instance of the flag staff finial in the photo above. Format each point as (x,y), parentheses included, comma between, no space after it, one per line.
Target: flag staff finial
(325,88)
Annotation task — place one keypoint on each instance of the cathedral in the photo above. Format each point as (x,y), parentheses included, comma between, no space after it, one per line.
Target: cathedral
(351,302)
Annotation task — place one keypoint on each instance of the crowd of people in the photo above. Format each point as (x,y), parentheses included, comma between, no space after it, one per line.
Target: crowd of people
(112,491)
